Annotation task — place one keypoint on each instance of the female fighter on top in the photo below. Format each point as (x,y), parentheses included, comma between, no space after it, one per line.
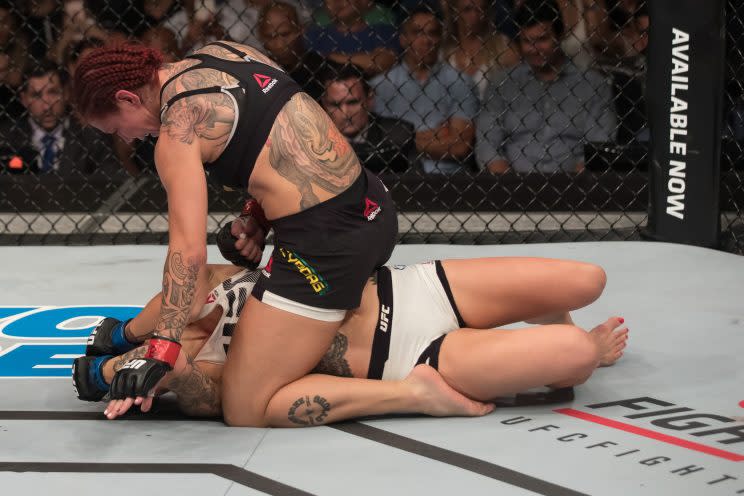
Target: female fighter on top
(230,111)
(408,316)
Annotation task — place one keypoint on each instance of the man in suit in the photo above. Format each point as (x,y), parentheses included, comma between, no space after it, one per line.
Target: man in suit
(47,140)
(381,143)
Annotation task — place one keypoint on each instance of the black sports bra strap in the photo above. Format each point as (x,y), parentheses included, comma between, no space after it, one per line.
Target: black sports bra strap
(198,91)
(230,48)
(173,77)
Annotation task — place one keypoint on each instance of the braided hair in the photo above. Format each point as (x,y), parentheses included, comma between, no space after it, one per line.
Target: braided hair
(106,70)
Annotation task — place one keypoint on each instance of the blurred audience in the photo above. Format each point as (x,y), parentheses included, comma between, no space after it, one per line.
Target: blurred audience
(77,24)
(162,39)
(240,19)
(193,22)
(281,34)
(381,143)
(538,114)
(57,143)
(472,43)
(627,26)
(374,13)
(42,23)
(13,61)
(439,101)
(349,39)
(77,50)
(585,27)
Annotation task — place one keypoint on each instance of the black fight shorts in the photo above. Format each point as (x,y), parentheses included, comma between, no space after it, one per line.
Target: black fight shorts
(323,256)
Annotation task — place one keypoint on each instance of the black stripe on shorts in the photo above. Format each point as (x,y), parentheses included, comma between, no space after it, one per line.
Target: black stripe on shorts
(445,283)
(381,341)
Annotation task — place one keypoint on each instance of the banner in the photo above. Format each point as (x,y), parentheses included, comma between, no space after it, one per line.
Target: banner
(686,59)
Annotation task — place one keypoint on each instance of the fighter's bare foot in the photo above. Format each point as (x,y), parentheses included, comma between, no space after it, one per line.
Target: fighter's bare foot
(611,340)
(437,398)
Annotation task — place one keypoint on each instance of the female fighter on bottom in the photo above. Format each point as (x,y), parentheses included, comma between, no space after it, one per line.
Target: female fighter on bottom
(412,321)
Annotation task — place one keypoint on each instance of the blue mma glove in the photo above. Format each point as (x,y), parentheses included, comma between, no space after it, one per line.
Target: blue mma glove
(108,338)
(87,378)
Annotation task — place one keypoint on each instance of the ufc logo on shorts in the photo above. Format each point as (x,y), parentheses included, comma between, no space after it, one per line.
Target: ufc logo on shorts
(384,317)
(134,364)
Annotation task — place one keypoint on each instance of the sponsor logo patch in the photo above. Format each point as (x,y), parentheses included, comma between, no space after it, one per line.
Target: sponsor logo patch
(314,279)
(265,82)
(371,209)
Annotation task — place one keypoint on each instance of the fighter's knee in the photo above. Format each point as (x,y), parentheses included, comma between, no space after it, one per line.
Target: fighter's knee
(234,418)
(580,351)
(590,281)
(240,414)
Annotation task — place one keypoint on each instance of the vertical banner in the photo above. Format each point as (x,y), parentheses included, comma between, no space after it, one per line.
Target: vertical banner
(686,60)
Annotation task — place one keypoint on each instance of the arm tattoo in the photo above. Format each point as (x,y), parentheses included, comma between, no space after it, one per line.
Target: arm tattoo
(179,286)
(208,116)
(306,412)
(306,149)
(333,362)
(198,394)
(130,355)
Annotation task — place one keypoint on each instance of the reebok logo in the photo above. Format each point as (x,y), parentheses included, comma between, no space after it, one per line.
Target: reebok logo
(384,318)
(267,270)
(264,82)
(134,364)
(371,209)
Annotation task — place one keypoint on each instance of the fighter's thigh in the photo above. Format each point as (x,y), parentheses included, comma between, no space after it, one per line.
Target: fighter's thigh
(486,363)
(490,292)
(269,349)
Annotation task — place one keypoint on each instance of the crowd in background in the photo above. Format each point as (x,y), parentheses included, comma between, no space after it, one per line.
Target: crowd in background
(438,86)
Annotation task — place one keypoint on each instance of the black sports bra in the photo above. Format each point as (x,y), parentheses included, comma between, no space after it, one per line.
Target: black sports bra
(260,94)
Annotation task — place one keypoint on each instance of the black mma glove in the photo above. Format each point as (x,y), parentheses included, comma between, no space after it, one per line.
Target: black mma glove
(108,338)
(87,378)
(139,376)
(226,241)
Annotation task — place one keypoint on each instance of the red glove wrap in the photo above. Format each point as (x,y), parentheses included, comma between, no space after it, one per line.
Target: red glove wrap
(163,349)
(253,208)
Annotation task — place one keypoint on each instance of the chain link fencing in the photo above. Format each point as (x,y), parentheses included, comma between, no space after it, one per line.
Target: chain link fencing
(491,121)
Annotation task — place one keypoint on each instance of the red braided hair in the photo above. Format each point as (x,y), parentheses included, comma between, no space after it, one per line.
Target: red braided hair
(108,69)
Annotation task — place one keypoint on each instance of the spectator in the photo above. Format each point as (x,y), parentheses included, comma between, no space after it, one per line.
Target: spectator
(538,114)
(374,13)
(282,36)
(42,25)
(192,28)
(440,102)
(625,34)
(381,143)
(60,145)
(13,53)
(163,40)
(628,77)
(351,40)
(585,32)
(14,44)
(241,18)
(473,45)
(77,50)
(77,24)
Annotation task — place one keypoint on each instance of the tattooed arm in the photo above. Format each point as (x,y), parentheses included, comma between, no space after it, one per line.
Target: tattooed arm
(190,127)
